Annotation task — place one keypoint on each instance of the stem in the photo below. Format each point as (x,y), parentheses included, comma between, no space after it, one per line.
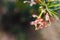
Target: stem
(35,26)
(48,10)
(40,14)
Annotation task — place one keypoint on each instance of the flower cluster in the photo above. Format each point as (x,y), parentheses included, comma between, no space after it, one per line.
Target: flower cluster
(45,11)
(40,23)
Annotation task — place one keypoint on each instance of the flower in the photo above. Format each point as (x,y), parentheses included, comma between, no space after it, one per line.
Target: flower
(34,15)
(32,23)
(47,17)
(41,26)
(39,22)
(32,2)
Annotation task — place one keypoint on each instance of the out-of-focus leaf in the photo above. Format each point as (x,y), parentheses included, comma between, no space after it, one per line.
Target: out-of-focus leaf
(54,14)
(40,15)
(21,5)
(55,9)
(48,11)
(54,5)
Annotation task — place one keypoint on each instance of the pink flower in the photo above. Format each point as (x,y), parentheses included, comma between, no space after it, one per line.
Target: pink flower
(40,19)
(39,22)
(32,2)
(34,15)
(32,23)
(47,17)
(39,27)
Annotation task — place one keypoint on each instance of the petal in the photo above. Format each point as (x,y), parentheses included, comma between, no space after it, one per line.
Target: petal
(25,1)
(40,27)
(32,23)
(31,4)
(36,21)
(46,17)
(34,15)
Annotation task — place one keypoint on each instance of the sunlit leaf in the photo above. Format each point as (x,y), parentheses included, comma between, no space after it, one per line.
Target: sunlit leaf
(54,14)
(54,5)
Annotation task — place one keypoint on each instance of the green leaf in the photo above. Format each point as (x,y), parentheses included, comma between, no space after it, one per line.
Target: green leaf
(54,14)
(48,11)
(55,9)
(40,15)
(54,5)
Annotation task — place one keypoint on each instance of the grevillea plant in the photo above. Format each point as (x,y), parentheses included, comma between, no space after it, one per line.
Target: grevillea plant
(47,13)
